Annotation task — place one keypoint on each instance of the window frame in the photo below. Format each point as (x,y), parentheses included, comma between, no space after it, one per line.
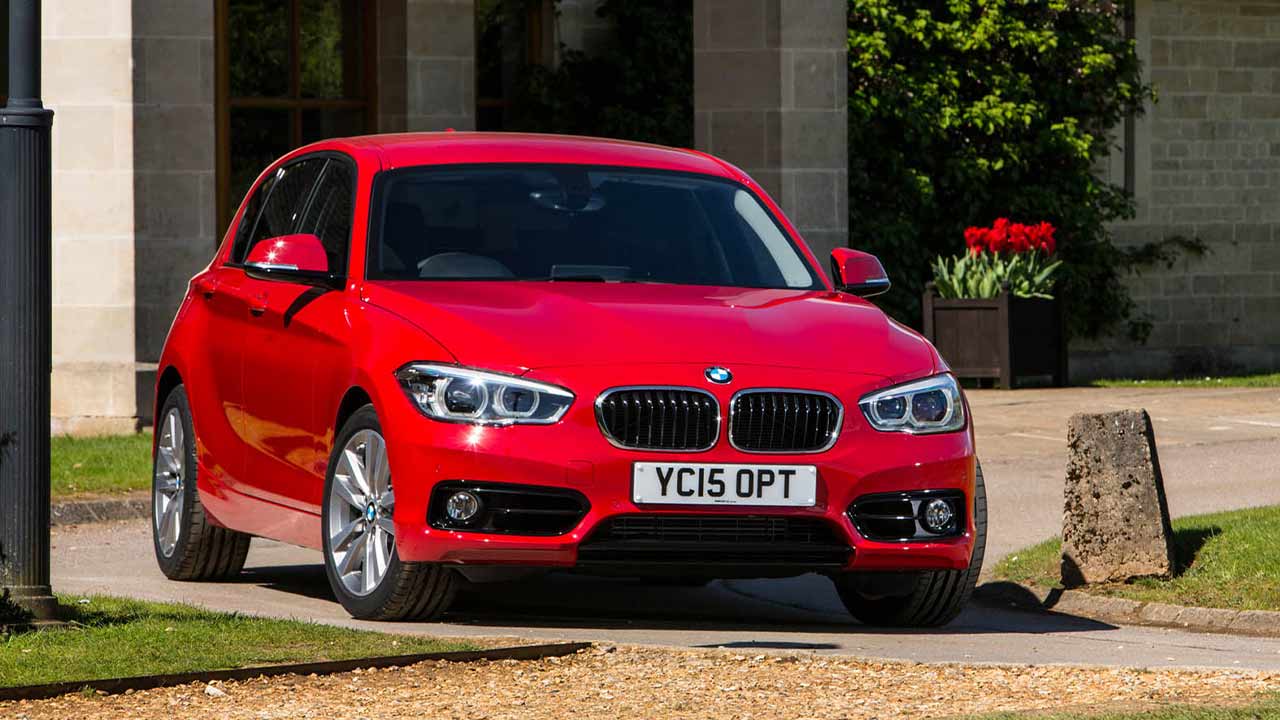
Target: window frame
(293,102)
(327,155)
(373,232)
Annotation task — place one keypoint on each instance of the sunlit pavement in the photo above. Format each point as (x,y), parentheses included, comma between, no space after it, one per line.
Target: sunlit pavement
(1218,449)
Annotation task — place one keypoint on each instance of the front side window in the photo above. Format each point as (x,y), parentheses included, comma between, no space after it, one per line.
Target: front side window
(275,207)
(329,213)
(568,222)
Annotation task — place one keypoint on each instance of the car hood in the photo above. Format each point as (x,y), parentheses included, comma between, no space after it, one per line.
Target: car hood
(519,326)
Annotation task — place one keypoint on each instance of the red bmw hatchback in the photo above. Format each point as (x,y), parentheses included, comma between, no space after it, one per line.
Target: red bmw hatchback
(431,355)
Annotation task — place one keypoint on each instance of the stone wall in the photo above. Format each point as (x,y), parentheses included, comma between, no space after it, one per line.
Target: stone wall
(770,96)
(174,167)
(440,64)
(1206,165)
(86,54)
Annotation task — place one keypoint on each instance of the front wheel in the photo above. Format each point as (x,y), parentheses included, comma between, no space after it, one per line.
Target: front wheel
(359,537)
(930,598)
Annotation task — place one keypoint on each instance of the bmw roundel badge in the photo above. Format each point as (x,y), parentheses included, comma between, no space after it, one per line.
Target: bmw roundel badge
(719,375)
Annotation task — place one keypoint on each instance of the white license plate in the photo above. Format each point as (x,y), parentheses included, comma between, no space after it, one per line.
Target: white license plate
(716,484)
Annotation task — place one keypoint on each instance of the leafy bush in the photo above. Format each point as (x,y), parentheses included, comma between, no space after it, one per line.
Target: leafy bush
(962,111)
(1012,255)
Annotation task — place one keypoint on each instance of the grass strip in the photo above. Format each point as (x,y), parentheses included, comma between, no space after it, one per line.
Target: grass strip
(99,465)
(1230,381)
(1223,560)
(115,637)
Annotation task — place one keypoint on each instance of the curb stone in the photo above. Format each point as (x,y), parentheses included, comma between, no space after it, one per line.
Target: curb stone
(1261,623)
(102,509)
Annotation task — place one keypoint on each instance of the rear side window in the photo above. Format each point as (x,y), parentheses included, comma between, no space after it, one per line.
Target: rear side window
(281,198)
(329,215)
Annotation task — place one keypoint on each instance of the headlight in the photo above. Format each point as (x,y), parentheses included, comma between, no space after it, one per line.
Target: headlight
(932,405)
(458,394)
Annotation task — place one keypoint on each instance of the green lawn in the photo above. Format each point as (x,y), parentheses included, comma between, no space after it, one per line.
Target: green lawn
(1263,380)
(96,465)
(1263,711)
(1225,560)
(114,637)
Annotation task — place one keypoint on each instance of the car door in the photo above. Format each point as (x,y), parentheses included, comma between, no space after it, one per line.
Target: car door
(217,394)
(296,332)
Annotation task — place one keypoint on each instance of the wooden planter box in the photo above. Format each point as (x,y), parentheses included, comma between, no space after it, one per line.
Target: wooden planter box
(1007,339)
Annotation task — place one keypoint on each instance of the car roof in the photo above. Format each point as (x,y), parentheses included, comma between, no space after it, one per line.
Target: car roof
(449,148)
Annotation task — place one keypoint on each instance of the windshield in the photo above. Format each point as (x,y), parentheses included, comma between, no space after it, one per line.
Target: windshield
(577,223)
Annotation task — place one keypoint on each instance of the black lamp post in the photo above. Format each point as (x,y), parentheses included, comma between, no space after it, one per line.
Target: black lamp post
(24,321)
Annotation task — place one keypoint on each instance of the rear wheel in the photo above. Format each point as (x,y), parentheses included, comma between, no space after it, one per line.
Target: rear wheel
(920,599)
(187,545)
(359,537)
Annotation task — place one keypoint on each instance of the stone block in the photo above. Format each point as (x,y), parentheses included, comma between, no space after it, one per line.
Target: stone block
(440,28)
(86,138)
(92,203)
(1265,54)
(737,80)
(168,204)
(168,67)
(813,78)
(93,270)
(77,18)
(93,333)
(174,138)
(740,137)
(87,71)
(815,139)
(816,24)
(733,24)
(173,18)
(93,389)
(814,204)
(1116,518)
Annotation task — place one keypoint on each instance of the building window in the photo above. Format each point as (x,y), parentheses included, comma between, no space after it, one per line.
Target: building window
(289,72)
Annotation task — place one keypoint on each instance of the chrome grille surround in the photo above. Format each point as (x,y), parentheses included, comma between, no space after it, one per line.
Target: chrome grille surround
(664,394)
(832,431)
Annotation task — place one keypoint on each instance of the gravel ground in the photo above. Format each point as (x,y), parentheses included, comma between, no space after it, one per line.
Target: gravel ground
(650,683)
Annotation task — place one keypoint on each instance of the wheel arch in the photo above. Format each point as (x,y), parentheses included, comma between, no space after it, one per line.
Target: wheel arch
(353,399)
(168,379)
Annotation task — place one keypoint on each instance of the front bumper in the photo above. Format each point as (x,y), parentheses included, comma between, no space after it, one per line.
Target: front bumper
(574,454)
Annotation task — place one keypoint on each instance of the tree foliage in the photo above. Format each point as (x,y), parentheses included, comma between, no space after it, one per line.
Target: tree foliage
(962,111)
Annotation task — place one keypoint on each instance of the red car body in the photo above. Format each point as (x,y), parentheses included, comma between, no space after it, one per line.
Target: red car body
(271,366)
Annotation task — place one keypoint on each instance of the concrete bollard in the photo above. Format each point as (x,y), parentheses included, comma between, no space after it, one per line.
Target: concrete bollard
(1115,524)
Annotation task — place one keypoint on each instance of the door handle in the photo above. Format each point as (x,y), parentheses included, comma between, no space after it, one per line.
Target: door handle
(258,305)
(206,286)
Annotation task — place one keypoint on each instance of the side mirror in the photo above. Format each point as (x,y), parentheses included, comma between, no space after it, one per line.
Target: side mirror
(858,273)
(295,258)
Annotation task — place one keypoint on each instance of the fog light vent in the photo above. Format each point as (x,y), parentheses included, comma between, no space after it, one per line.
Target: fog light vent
(505,508)
(909,516)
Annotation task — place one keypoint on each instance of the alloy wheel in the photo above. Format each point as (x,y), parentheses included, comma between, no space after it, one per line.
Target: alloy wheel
(360,535)
(170,479)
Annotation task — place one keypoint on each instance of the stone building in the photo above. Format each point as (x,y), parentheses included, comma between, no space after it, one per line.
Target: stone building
(166,109)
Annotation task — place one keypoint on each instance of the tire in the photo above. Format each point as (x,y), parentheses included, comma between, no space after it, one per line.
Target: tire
(932,598)
(403,591)
(195,549)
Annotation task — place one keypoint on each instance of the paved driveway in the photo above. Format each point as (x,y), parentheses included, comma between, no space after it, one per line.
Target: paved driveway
(1219,449)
